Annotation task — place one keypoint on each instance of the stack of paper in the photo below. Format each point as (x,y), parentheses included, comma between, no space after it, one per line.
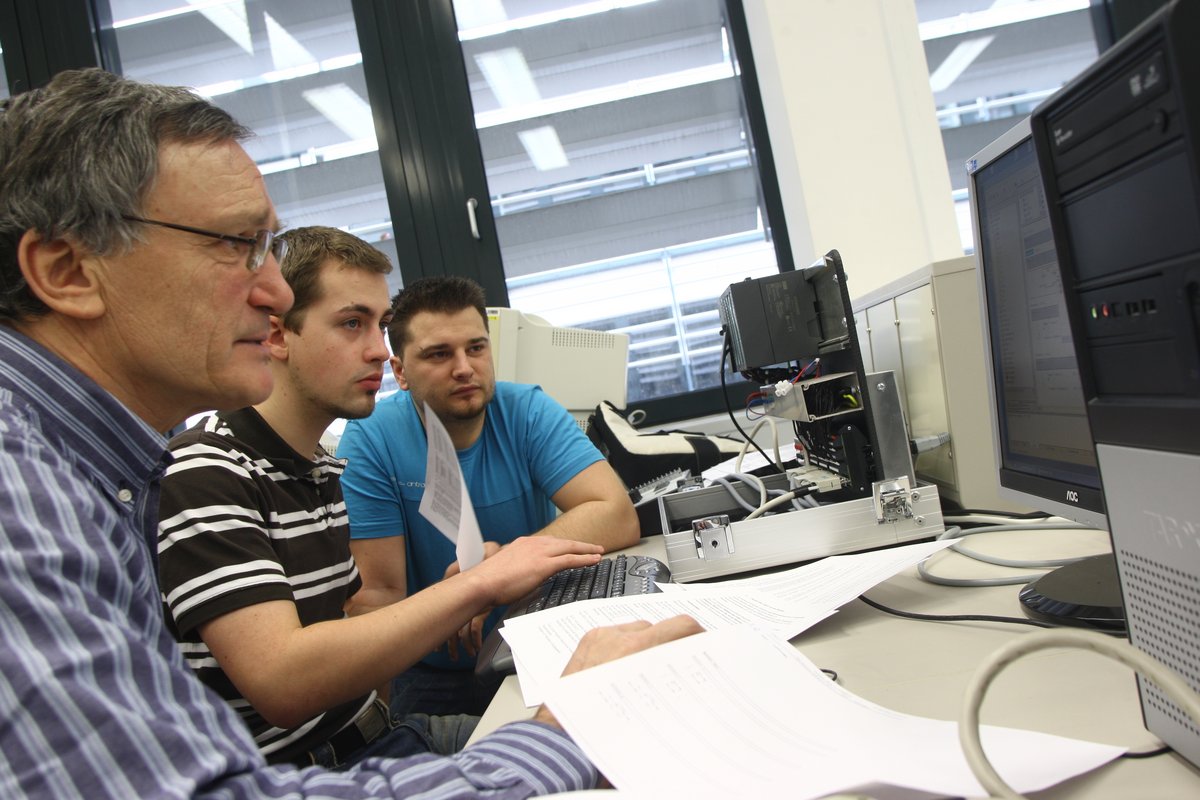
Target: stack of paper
(738,712)
(734,713)
(784,604)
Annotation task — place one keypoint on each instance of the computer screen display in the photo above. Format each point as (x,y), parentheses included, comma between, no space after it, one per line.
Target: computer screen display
(1047,458)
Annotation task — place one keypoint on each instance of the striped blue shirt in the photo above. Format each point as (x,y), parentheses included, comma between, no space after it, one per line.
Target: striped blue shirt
(95,696)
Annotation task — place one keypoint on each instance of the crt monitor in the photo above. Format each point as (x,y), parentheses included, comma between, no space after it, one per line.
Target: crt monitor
(1046,458)
(579,368)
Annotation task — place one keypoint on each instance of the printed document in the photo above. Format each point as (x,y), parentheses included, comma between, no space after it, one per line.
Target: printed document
(835,580)
(445,502)
(786,603)
(735,713)
(542,643)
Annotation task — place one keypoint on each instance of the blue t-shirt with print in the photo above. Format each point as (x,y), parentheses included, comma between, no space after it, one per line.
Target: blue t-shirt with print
(530,447)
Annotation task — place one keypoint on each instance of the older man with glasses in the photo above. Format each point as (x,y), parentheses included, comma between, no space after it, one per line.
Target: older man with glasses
(112,330)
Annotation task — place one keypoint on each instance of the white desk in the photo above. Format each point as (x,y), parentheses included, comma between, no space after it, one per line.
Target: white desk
(923,668)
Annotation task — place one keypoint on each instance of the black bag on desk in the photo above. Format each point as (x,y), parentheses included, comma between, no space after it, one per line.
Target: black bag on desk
(639,457)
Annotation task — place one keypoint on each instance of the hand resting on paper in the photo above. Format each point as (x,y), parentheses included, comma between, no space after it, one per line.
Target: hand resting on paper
(611,642)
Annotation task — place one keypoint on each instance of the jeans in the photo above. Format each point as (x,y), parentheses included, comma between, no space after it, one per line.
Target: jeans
(423,689)
(409,735)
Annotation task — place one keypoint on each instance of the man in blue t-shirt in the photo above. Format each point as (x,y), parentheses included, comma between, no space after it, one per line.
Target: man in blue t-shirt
(522,456)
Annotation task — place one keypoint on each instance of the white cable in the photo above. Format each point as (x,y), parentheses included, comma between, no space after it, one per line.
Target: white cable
(737,465)
(772,503)
(1117,649)
(954,532)
(1009,562)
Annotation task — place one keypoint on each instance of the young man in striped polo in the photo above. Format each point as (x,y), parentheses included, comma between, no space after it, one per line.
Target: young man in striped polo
(254,553)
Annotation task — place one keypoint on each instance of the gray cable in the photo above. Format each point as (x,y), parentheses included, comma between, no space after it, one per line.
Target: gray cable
(954,532)
(737,497)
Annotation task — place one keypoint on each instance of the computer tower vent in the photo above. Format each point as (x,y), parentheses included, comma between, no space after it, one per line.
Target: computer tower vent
(1162,604)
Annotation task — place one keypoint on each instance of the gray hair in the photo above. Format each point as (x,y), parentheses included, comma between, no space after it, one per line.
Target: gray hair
(79,154)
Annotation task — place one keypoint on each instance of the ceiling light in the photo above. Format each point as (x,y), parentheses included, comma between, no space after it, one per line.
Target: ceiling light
(961,57)
(999,14)
(193,5)
(286,51)
(478,13)
(604,94)
(231,19)
(467,32)
(509,77)
(342,106)
(544,148)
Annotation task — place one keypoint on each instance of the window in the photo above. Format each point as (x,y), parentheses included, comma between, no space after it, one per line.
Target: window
(621,171)
(990,63)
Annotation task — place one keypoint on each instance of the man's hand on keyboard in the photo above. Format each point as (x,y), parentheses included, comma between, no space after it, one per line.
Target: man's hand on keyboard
(609,643)
(521,566)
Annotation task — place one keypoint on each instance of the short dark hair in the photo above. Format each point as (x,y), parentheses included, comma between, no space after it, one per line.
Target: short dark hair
(443,294)
(80,154)
(307,250)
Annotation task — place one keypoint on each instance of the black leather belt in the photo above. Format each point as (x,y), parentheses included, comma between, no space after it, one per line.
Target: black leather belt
(373,722)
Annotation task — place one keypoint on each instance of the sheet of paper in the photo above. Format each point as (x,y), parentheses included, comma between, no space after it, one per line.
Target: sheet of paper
(736,713)
(833,581)
(542,643)
(445,502)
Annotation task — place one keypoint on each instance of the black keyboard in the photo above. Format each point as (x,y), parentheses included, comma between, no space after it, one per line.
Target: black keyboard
(614,576)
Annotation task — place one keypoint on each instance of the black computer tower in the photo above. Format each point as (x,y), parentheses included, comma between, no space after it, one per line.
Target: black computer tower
(1119,151)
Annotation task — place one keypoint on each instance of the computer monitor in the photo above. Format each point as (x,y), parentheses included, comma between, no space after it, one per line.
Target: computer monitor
(1045,456)
(579,368)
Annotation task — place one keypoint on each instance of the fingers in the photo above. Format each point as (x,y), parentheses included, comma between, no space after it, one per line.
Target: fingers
(609,643)
(571,561)
(471,634)
(469,637)
(675,628)
(476,640)
(553,546)
(522,566)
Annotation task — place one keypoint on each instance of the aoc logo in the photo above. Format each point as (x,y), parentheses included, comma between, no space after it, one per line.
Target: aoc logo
(1072,496)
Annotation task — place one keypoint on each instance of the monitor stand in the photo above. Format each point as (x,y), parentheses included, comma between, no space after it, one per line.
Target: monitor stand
(1084,594)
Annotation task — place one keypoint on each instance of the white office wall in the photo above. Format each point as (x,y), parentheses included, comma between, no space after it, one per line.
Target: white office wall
(853,129)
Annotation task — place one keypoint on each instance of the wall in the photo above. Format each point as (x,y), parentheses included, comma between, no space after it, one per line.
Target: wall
(857,148)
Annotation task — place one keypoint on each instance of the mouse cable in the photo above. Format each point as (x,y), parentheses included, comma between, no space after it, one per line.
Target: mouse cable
(1149,753)
(952,617)
(987,512)
(1118,650)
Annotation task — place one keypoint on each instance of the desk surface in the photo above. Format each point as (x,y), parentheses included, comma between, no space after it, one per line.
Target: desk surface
(923,668)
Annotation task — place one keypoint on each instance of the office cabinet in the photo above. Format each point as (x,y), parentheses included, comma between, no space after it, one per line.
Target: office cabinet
(926,327)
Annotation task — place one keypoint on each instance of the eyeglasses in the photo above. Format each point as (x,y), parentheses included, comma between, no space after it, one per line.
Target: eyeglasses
(260,244)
